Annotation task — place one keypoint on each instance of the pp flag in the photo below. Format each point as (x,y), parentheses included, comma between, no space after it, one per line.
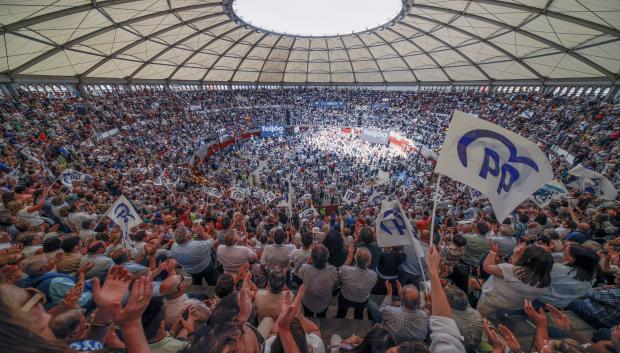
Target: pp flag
(351,197)
(394,228)
(590,181)
(475,194)
(123,214)
(213,192)
(552,190)
(376,198)
(505,167)
(308,214)
(271,196)
(162,179)
(237,194)
(68,176)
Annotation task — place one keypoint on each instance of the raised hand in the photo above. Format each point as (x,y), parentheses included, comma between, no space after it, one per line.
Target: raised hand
(139,299)
(73,296)
(109,296)
(538,317)
(559,318)
(83,270)
(433,259)
(510,339)
(496,340)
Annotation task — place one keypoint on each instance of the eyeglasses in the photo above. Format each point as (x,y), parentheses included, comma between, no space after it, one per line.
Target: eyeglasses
(36,297)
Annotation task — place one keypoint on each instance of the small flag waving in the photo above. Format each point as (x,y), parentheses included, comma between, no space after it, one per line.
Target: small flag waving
(394,228)
(504,166)
(213,192)
(308,214)
(68,176)
(590,181)
(351,197)
(237,194)
(124,215)
(552,190)
(376,198)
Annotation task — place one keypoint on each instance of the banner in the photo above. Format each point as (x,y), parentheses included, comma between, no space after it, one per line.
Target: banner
(329,104)
(237,194)
(308,214)
(590,181)
(504,166)
(552,190)
(213,192)
(271,131)
(125,216)
(394,228)
(376,198)
(377,136)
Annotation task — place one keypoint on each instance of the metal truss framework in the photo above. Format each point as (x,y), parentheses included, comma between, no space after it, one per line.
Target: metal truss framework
(422,29)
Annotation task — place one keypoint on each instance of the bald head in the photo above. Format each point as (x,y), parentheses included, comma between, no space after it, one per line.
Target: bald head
(584,227)
(410,296)
(37,265)
(363,258)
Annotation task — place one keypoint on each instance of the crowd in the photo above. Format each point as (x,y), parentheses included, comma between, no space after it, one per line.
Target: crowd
(68,281)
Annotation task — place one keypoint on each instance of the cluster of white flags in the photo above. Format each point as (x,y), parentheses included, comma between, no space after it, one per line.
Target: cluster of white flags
(125,216)
(504,166)
(590,181)
(163,179)
(239,194)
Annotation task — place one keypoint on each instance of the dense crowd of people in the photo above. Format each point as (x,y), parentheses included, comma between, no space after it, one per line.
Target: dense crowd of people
(220,272)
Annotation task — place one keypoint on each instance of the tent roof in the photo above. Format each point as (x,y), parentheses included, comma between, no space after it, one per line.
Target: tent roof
(201,40)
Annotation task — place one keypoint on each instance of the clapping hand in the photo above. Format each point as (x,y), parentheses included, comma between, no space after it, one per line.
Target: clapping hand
(139,299)
(108,297)
(559,318)
(538,317)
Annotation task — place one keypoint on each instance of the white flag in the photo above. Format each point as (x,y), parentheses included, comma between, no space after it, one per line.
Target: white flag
(351,197)
(237,194)
(271,196)
(394,228)
(504,166)
(124,215)
(213,192)
(163,179)
(552,190)
(309,213)
(590,181)
(475,194)
(376,198)
(68,176)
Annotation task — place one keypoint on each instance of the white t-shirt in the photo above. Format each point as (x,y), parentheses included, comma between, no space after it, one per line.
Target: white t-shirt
(233,257)
(277,255)
(507,293)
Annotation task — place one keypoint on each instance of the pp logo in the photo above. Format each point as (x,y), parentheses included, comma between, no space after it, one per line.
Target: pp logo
(491,163)
(122,212)
(396,221)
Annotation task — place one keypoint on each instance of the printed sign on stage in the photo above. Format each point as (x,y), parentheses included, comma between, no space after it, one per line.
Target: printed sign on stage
(376,136)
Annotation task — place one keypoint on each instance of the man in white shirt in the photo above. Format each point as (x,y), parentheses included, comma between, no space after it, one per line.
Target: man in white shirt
(173,289)
(278,254)
(232,256)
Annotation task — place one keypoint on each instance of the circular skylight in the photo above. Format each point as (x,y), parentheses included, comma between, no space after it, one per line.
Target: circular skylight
(317,18)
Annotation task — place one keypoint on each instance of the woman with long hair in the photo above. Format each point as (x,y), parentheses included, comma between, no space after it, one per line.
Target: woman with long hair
(573,278)
(527,277)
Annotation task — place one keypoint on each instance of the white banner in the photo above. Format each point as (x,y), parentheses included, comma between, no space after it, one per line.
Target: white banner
(552,190)
(590,181)
(125,216)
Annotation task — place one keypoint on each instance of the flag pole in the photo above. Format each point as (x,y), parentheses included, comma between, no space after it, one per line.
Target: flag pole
(434,209)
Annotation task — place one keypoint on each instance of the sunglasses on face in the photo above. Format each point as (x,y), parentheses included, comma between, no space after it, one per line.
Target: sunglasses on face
(36,297)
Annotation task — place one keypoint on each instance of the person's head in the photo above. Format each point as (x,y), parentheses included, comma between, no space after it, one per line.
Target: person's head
(410,296)
(584,261)
(565,345)
(226,337)
(279,236)
(363,258)
(299,336)
(120,256)
(70,244)
(456,297)
(182,235)
(306,239)
(524,218)
(534,267)
(69,325)
(377,340)
(226,222)
(276,281)
(172,287)
(224,285)
(96,247)
(365,235)
(482,228)
(459,240)
(37,265)
(230,239)
(139,235)
(319,255)
(51,244)
(23,308)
